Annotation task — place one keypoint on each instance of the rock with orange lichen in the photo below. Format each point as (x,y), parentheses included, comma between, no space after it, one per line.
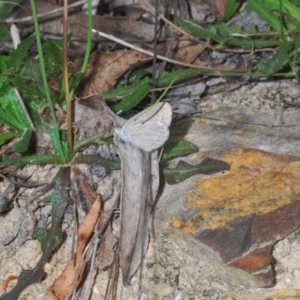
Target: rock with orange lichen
(241,214)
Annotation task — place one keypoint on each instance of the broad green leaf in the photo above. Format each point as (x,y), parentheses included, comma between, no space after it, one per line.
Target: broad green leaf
(22,144)
(164,80)
(3,32)
(31,68)
(7,136)
(7,6)
(13,123)
(168,78)
(10,105)
(276,61)
(133,77)
(3,64)
(290,8)
(31,159)
(265,13)
(179,148)
(223,34)
(231,8)
(65,145)
(132,100)
(96,137)
(122,91)
(32,88)
(192,27)
(39,122)
(108,164)
(54,56)
(119,92)
(17,56)
(184,170)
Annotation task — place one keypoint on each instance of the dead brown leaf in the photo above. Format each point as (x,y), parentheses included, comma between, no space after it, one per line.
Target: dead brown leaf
(90,116)
(183,50)
(85,196)
(188,51)
(63,285)
(220,6)
(105,68)
(121,27)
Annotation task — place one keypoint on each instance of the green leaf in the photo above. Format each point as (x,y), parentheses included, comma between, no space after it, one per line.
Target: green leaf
(264,11)
(3,63)
(32,88)
(3,32)
(26,278)
(96,137)
(31,159)
(132,100)
(223,34)
(17,56)
(11,112)
(7,136)
(133,77)
(6,119)
(168,78)
(118,92)
(290,8)
(192,27)
(31,68)
(22,144)
(231,8)
(179,148)
(54,56)
(137,88)
(276,61)
(108,164)
(7,6)
(122,91)
(184,170)
(50,198)
(39,122)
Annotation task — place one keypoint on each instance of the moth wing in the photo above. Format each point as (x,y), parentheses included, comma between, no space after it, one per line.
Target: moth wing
(163,114)
(160,112)
(148,136)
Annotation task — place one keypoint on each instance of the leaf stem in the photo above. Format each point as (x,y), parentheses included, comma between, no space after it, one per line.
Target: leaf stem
(45,83)
(88,44)
(66,82)
(89,38)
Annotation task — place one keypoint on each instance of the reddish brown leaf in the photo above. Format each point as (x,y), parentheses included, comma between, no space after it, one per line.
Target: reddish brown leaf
(220,6)
(105,68)
(62,286)
(7,281)
(86,197)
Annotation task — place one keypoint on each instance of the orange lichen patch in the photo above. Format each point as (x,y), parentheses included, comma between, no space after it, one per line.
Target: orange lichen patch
(257,183)
(188,226)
